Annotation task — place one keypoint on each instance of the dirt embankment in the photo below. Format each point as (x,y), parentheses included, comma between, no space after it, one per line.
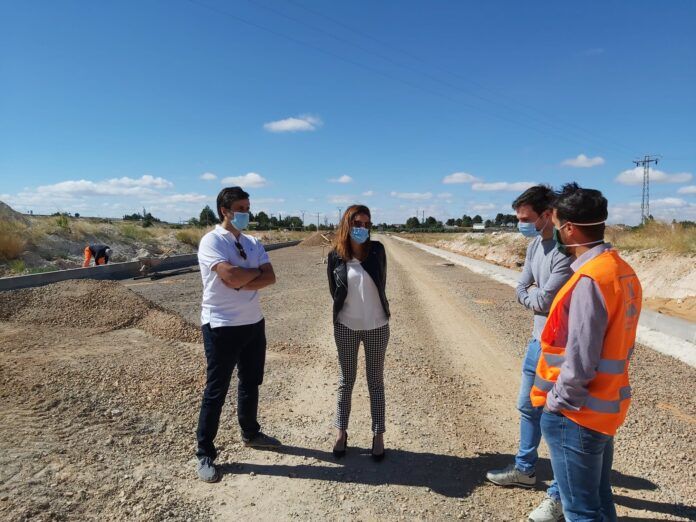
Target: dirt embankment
(30,244)
(668,279)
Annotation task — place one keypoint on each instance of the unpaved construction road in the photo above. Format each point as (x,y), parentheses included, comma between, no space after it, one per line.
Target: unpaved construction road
(99,415)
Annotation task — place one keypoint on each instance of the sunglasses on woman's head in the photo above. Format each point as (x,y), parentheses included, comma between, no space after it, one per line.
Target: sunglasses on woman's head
(240,249)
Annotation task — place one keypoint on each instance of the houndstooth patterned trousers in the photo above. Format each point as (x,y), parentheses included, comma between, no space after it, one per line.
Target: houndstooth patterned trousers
(375,343)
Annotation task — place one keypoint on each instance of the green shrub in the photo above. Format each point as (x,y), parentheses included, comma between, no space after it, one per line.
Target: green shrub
(63,222)
(17,266)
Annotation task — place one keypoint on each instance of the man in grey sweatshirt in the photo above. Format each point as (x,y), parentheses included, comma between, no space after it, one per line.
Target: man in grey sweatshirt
(545,271)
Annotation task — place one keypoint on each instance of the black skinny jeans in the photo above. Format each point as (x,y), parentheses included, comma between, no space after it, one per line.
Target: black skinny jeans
(225,347)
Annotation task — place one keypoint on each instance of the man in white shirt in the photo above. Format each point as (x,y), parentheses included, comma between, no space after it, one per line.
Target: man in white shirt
(234,267)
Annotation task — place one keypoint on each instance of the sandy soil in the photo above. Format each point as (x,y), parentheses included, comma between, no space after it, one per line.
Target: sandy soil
(98,417)
(685,307)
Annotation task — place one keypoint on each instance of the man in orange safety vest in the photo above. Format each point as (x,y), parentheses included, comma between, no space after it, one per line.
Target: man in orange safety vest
(587,342)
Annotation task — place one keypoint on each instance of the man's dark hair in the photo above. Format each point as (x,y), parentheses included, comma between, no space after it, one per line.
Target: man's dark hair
(539,197)
(581,205)
(227,197)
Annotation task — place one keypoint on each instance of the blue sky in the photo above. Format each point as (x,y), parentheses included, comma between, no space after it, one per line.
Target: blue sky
(446,107)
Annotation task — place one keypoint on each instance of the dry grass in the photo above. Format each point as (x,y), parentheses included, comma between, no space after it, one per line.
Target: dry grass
(75,229)
(654,236)
(12,239)
(81,228)
(191,236)
(429,238)
(136,232)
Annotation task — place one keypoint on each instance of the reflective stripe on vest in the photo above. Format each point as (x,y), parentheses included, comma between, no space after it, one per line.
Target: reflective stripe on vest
(611,366)
(602,406)
(543,384)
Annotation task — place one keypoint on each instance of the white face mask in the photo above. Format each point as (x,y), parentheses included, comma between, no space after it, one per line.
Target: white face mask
(562,247)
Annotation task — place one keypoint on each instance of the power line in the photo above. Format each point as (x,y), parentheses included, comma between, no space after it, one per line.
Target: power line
(645,201)
(377,71)
(547,119)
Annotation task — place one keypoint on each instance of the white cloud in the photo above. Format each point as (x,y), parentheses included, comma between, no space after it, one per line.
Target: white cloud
(583,162)
(266,201)
(445,195)
(459,177)
(412,195)
(635,177)
(249,180)
(499,186)
(368,193)
(208,176)
(483,207)
(181,198)
(343,179)
(341,199)
(665,209)
(302,123)
(691,189)
(667,203)
(112,187)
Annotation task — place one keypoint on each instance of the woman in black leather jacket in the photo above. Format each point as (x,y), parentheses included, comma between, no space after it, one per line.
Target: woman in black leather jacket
(357,272)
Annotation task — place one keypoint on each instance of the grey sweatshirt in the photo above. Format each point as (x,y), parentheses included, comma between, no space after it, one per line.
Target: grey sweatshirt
(548,270)
(586,318)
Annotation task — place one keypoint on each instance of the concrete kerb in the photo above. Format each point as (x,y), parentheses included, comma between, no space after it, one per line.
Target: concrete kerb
(669,335)
(113,271)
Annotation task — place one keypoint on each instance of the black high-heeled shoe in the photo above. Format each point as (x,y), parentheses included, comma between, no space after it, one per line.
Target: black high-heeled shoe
(377,457)
(338,453)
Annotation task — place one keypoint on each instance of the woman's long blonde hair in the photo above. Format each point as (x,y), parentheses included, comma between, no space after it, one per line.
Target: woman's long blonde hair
(341,242)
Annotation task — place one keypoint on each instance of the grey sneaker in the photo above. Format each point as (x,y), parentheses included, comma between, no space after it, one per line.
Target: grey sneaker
(550,510)
(261,441)
(207,471)
(511,476)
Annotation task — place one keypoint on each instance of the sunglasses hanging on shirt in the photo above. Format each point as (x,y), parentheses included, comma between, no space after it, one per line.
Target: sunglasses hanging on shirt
(240,249)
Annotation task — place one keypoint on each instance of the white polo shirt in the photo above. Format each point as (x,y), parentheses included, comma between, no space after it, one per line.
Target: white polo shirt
(223,306)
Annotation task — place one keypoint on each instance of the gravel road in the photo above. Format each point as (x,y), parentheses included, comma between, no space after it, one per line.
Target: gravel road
(98,423)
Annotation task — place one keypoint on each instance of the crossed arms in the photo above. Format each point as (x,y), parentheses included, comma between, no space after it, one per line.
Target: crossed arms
(239,278)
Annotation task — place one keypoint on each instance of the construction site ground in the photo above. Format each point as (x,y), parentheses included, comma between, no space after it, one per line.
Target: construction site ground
(101,385)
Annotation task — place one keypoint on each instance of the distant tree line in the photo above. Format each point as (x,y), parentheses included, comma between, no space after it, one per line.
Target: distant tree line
(146,219)
(260,221)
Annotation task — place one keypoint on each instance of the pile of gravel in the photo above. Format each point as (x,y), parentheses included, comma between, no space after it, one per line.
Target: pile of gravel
(318,239)
(169,326)
(105,305)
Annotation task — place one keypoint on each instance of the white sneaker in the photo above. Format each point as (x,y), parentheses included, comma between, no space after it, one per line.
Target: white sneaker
(550,510)
(511,476)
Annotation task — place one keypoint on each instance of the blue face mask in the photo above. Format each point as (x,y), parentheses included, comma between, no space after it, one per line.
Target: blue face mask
(359,235)
(241,220)
(528,229)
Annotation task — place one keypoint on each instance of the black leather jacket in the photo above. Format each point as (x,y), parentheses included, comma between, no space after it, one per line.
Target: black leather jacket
(375,264)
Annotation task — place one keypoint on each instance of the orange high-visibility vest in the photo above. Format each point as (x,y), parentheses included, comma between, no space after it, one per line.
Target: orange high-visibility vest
(609,392)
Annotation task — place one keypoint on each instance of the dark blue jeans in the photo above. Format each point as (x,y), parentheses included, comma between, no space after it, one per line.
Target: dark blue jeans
(227,347)
(581,460)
